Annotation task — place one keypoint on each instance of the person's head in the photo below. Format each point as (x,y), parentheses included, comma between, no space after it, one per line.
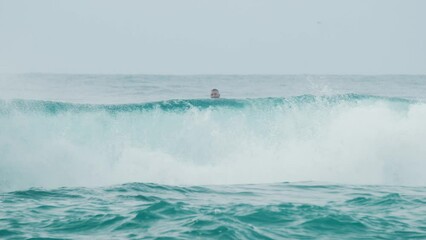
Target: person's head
(215,93)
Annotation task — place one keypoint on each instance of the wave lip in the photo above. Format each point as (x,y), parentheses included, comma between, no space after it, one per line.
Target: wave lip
(185,104)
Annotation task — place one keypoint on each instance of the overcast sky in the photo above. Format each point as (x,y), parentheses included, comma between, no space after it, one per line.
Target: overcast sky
(214,37)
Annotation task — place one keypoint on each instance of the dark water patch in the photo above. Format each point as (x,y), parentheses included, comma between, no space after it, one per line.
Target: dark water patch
(168,209)
(219,232)
(420,201)
(312,186)
(238,231)
(8,233)
(245,194)
(267,215)
(385,201)
(37,194)
(384,223)
(409,235)
(131,226)
(150,192)
(140,197)
(146,216)
(161,210)
(46,207)
(335,223)
(166,238)
(359,201)
(198,222)
(390,199)
(47,238)
(88,223)
(152,187)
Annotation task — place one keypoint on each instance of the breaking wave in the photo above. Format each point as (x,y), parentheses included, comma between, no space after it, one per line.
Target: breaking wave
(350,138)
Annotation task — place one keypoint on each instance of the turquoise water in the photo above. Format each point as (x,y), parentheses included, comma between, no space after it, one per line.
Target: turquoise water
(261,211)
(278,157)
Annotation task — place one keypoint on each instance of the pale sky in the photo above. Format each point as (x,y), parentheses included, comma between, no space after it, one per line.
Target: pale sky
(213,37)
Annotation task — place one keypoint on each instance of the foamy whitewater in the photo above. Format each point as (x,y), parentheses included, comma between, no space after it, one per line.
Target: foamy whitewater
(147,156)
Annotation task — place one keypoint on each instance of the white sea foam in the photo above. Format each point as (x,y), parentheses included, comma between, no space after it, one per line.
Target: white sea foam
(368,141)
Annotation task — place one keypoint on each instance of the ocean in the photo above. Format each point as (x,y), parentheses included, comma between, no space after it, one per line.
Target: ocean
(153,157)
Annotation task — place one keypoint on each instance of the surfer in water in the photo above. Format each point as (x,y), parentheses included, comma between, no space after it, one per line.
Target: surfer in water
(215,93)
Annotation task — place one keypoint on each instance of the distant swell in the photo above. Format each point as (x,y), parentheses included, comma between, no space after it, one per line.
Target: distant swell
(343,138)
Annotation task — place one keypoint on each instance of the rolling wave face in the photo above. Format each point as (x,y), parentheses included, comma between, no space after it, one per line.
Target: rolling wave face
(345,139)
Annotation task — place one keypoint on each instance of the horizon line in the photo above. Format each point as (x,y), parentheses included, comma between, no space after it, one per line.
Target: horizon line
(223,74)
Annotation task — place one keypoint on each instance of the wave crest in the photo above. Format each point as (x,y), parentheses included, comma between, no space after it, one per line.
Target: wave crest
(345,138)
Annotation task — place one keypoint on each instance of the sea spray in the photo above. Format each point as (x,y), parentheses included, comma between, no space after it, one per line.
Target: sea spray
(355,139)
